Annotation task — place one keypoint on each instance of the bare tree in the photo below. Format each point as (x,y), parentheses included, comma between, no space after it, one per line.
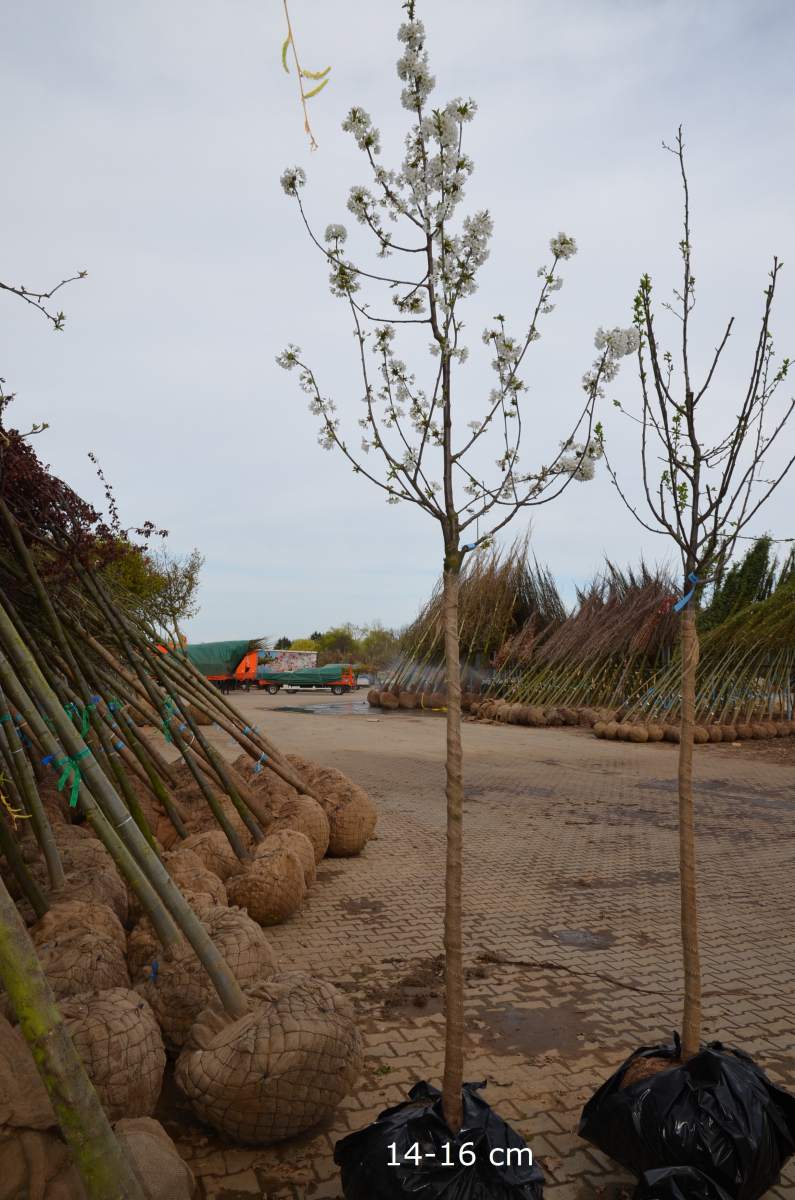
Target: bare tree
(701,491)
(414,432)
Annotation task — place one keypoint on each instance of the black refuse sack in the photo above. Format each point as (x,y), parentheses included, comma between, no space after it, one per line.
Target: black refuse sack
(678,1183)
(364,1157)
(718,1113)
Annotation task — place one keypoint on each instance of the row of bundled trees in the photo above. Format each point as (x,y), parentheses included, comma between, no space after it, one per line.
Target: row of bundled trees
(618,647)
(89,700)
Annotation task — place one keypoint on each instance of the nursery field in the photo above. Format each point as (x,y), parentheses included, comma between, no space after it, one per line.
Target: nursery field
(571,927)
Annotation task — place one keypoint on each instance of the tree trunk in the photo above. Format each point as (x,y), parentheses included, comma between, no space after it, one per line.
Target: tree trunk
(453,955)
(104,1168)
(691,1018)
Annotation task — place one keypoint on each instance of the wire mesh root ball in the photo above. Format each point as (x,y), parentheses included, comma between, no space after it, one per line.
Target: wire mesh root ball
(118,1039)
(80,960)
(156,1161)
(277,1071)
(304,815)
(270,888)
(65,915)
(300,845)
(180,987)
(213,849)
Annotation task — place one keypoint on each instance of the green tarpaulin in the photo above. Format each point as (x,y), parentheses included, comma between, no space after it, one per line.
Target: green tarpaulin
(311,677)
(218,658)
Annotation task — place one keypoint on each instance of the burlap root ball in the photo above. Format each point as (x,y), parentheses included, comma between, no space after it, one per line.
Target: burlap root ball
(65,915)
(728,733)
(117,1037)
(351,813)
(671,733)
(213,849)
(279,1070)
(304,815)
(161,1170)
(637,733)
(182,987)
(189,872)
(655,732)
(611,730)
(744,731)
(408,700)
(388,701)
(270,888)
(143,945)
(374,698)
(300,845)
(79,960)
(714,732)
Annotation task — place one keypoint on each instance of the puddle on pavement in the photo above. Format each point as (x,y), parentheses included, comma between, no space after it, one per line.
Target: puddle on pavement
(581,939)
(335,708)
(534,1031)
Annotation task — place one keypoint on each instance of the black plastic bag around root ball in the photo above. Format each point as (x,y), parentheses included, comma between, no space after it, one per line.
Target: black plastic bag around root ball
(718,1112)
(678,1183)
(415,1137)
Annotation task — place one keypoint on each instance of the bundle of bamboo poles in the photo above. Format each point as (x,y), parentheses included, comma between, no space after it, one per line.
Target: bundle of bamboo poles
(82,676)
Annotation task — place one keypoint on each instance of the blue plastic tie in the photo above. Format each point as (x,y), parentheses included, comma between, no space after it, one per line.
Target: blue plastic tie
(153,970)
(680,604)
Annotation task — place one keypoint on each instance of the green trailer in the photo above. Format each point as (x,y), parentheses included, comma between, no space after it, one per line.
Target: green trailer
(338,677)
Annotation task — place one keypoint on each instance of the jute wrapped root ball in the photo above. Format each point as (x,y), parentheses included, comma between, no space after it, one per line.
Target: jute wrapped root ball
(300,845)
(271,887)
(67,915)
(118,1039)
(143,944)
(163,1173)
(181,988)
(351,813)
(189,874)
(78,960)
(304,815)
(213,849)
(279,1070)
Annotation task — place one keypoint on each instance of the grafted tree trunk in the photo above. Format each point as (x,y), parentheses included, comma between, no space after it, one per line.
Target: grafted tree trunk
(453,953)
(691,1017)
(100,1160)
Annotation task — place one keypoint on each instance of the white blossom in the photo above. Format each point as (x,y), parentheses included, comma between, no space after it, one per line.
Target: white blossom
(336,233)
(618,342)
(288,357)
(563,246)
(292,179)
(359,123)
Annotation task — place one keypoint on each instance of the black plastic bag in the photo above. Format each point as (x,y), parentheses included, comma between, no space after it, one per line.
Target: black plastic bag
(488,1160)
(678,1183)
(718,1113)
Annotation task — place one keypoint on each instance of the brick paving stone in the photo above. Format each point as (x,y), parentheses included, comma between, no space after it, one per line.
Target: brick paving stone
(571,927)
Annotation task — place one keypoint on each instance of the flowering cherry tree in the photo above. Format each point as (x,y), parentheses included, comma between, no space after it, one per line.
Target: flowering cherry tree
(413,442)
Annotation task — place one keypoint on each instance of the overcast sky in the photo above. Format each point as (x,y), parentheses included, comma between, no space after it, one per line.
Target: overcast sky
(144,143)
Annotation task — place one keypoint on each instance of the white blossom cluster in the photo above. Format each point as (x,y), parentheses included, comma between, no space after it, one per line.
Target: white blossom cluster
(336,234)
(412,66)
(563,246)
(580,459)
(292,179)
(613,344)
(359,123)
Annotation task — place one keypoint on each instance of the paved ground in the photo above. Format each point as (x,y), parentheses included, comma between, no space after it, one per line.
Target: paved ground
(571,924)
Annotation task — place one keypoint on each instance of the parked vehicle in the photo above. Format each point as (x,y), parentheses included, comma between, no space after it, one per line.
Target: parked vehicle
(363,681)
(337,677)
